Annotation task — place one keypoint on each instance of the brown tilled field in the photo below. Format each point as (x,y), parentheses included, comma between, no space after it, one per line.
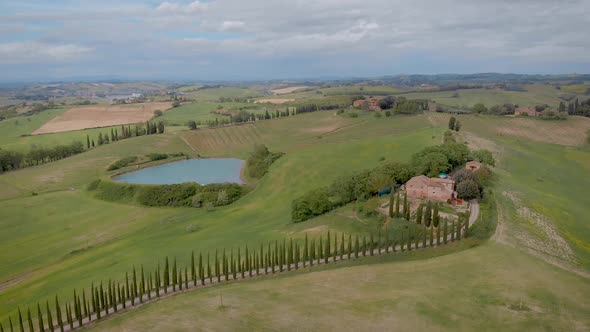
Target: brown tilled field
(275,100)
(101,116)
(288,90)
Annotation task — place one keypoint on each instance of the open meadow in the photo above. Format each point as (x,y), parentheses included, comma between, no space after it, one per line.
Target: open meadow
(56,236)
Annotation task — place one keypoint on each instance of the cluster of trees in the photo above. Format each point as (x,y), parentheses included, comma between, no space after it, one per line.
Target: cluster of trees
(132,159)
(150,128)
(470,184)
(102,299)
(454,124)
(245,116)
(184,194)
(409,106)
(576,107)
(429,161)
(12,160)
(504,109)
(260,160)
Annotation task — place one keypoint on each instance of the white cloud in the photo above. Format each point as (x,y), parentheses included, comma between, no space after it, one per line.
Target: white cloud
(30,51)
(232,25)
(178,9)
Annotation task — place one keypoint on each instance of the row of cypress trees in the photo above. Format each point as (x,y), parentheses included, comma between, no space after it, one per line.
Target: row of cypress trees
(104,299)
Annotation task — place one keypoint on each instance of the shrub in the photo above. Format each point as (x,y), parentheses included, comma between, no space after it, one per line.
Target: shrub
(156,156)
(484,156)
(122,163)
(116,192)
(260,160)
(312,204)
(167,195)
(158,113)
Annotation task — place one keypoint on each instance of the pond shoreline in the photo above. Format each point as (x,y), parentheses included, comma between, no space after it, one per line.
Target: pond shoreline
(198,170)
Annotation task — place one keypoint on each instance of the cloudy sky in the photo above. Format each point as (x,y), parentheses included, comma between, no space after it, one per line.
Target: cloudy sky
(268,39)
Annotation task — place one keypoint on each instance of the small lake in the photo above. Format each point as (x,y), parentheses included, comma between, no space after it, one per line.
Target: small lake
(202,171)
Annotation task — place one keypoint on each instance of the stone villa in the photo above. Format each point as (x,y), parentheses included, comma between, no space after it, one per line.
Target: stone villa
(435,189)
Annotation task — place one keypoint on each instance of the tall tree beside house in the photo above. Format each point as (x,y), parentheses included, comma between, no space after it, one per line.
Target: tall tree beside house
(452,123)
(419,212)
(445,231)
(458,125)
(87,142)
(391,199)
(397,206)
(435,216)
(305,250)
(201,269)
(405,207)
(342,246)
(349,245)
(428,214)
(356,246)
(160,127)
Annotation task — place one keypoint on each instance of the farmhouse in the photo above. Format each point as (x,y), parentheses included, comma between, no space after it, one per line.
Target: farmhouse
(369,103)
(526,111)
(431,188)
(473,165)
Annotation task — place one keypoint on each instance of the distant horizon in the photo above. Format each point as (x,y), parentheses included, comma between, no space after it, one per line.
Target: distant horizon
(115,79)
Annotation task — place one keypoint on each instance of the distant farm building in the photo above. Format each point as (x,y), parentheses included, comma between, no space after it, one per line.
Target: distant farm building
(369,103)
(436,189)
(526,111)
(473,165)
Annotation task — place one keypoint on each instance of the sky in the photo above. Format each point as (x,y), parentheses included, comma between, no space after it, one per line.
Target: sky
(297,39)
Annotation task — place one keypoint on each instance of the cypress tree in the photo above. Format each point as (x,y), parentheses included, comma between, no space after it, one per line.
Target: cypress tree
(438,234)
(386,240)
(224,264)
(431,236)
(157,281)
(405,207)
(305,251)
(409,244)
(233,266)
(459,222)
(335,252)
(84,300)
(40,319)
(371,244)
(424,239)
(166,275)
(320,250)
(397,206)
(419,214)
(269,260)
(30,320)
(201,270)
(217,274)
(87,142)
(364,245)
(391,199)
(97,299)
(69,316)
(58,315)
(174,273)
(312,253)
(284,252)
(327,253)
(452,230)
(342,246)
(349,245)
(149,288)
(142,286)
(49,319)
(290,255)
(435,216)
(20,321)
(445,231)
(10,324)
(428,214)
(262,258)
(193,272)
(209,270)
(356,246)
(417,238)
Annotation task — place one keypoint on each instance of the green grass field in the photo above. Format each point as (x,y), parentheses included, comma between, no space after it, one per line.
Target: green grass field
(535,94)
(476,289)
(64,238)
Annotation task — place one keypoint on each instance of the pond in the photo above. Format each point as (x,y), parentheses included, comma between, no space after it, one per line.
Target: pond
(202,171)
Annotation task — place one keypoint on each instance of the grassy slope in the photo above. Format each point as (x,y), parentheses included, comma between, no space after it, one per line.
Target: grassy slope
(535,94)
(477,289)
(262,215)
